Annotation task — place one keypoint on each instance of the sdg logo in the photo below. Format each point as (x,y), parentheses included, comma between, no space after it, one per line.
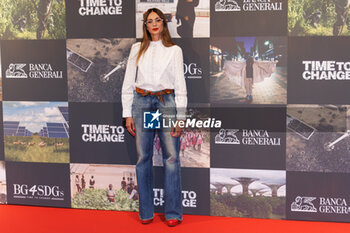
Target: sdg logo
(151,120)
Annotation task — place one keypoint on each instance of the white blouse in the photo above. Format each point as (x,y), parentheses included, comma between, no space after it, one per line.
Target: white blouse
(159,68)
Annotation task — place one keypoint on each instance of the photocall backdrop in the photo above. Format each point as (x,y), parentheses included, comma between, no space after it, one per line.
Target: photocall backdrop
(281,152)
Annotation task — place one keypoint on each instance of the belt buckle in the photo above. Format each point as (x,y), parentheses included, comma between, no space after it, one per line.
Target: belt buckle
(144,93)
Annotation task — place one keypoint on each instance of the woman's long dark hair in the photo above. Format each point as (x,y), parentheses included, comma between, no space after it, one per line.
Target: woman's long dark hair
(146,40)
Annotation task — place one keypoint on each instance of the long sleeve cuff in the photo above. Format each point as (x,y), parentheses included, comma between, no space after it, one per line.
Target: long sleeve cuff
(127,100)
(127,113)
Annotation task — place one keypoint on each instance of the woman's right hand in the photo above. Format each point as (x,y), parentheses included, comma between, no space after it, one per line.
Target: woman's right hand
(130,125)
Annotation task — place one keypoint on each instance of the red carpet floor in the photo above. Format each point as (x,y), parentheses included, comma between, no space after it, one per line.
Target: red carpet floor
(27,219)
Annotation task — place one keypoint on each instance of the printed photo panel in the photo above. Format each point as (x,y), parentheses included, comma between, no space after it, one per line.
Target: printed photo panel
(317,138)
(33,20)
(194,139)
(248,70)
(36,131)
(318,18)
(3,189)
(1,135)
(104,187)
(185,19)
(248,193)
(96,68)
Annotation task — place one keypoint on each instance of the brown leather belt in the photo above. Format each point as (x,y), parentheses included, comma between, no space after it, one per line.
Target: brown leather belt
(159,94)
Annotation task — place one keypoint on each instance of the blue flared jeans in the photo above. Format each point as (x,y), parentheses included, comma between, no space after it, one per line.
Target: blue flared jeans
(170,149)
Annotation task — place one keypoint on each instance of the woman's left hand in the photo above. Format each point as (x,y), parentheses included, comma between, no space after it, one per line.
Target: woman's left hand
(176,130)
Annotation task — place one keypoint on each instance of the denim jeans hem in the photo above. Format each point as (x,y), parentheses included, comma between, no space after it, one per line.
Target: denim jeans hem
(180,219)
(146,218)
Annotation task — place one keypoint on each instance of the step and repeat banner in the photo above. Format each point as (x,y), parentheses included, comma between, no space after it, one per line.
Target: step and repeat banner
(269,106)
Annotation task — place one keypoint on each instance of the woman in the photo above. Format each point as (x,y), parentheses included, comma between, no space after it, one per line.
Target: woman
(157,144)
(92,182)
(77,183)
(189,137)
(110,193)
(199,140)
(249,79)
(194,139)
(83,183)
(154,80)
(186,14)
(183,143)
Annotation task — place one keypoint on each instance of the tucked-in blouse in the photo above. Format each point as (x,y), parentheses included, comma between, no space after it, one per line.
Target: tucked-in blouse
(159,68)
